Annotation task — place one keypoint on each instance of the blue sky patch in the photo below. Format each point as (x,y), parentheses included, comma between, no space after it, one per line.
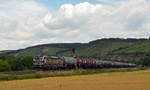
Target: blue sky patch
(54,5)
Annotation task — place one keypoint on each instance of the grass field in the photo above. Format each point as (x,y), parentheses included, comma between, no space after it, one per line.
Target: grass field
(138,80)
(43,74)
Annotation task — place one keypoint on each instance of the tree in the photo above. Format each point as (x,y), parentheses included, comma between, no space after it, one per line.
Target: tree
(16,64)
(12,63)
(4,66)
(27,62)
(145,62)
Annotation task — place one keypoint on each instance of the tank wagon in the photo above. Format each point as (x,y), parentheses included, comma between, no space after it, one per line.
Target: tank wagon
(54,63)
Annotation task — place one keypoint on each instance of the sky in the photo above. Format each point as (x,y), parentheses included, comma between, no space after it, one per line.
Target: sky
(53,5)
(25,23)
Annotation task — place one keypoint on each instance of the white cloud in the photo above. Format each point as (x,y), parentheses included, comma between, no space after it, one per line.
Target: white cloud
(112,2)
(19,20)
(107,21)
(26,22)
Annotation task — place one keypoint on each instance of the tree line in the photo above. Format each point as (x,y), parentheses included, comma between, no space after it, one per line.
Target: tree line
(12,63)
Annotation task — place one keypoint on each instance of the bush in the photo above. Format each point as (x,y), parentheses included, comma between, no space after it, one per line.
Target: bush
(145,62)
(4,66)
(27,62)
(12,63)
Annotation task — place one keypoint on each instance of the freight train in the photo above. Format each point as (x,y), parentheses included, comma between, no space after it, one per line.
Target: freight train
(57,63)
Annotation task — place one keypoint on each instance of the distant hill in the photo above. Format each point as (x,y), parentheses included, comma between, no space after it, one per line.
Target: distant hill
(9,52)
(133,53)
(45,49)
(101,48)
(138,48)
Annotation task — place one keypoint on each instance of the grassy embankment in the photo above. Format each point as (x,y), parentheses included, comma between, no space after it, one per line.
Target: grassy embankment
(7,77)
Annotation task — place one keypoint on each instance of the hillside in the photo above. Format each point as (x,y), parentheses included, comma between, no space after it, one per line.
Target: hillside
(138,48)
(134,53)
(45,49)
(99,48)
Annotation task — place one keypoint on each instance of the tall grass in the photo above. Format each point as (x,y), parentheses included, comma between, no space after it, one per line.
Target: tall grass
(7,77)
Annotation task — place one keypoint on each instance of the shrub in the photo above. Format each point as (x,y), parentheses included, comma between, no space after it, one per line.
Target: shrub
(145,62)
(4,66)
(12,63)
